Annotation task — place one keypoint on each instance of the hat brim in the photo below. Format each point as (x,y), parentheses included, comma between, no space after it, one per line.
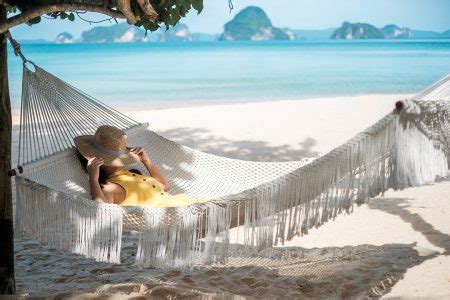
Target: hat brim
(84,145)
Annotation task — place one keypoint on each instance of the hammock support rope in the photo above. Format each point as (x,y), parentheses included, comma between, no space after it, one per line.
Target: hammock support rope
(274,201)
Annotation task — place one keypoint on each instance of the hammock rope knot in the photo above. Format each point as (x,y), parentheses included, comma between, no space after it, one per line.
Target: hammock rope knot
(16,47)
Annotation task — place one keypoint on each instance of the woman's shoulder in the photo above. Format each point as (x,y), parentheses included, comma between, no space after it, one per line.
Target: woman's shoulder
(114,191)
(110,186)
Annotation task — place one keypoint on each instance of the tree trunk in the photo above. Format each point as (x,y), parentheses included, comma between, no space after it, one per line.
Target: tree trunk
(7,281)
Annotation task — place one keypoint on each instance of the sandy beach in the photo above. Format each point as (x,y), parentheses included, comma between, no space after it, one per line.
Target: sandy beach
(396,245)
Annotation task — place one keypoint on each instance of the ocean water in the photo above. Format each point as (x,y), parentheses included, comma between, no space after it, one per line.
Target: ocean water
(161,74)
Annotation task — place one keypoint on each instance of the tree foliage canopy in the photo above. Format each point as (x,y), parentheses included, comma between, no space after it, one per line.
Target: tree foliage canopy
(148,14)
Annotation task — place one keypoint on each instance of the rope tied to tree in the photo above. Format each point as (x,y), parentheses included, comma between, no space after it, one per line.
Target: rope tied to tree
(17,52)
(16,46)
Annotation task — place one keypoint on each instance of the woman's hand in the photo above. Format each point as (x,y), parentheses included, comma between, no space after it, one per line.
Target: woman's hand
(93,167)
(140,151)
(97,194)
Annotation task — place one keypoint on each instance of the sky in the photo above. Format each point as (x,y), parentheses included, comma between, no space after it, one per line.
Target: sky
(295,14)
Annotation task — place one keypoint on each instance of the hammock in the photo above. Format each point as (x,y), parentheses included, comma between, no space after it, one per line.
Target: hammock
(274,201)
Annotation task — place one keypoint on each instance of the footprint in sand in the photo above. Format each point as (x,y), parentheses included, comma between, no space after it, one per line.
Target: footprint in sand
(188,279)
(173,273)
(258,285)
(170,293)
(248,281)
(106,271)
(271,275)
(211,272)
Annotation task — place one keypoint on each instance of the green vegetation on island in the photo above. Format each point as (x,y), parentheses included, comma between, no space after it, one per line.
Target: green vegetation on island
(64,38)
(115,33)
(252,24)
(356,31)
(124,33)
(395,32)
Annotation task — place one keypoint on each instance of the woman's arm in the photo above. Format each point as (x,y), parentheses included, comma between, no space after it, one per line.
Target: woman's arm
(151,168)
(158,175)
(93,168)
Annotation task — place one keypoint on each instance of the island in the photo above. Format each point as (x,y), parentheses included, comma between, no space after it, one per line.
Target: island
(252,24)
(357,31)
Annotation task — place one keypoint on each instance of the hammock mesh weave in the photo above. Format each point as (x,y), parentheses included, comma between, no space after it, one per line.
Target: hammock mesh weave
(274,201)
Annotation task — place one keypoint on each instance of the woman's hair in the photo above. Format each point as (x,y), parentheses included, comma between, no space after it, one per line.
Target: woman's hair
(102,178)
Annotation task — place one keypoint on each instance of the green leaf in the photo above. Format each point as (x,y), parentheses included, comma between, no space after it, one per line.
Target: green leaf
(162,3)
(35,20)
(63,15)
(151,26)
(12,9)
(197,5)
(185,6)
(167,20)
(175,17)
(71,17)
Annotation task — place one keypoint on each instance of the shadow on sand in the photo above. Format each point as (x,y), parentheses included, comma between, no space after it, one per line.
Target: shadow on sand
(399,207)
(352,271)
(202,140)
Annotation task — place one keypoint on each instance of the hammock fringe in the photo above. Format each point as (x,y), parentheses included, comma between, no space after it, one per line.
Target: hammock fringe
(68,222)
(387,155)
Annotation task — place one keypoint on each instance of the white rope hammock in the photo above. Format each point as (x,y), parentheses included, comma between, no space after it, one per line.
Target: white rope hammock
(274,201)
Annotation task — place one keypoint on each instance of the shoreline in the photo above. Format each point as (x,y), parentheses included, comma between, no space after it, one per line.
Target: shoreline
(158,106)
(207,103)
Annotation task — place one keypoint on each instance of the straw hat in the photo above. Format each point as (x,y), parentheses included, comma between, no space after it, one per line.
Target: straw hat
(109,143)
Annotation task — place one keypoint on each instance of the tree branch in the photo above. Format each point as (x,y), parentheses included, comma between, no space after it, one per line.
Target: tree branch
(149,12)
(39,11)
(125,7)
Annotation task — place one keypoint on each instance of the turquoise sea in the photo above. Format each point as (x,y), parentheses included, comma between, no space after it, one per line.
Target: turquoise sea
(158,74)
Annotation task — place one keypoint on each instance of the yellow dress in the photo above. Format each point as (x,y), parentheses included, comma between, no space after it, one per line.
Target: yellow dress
(141,190)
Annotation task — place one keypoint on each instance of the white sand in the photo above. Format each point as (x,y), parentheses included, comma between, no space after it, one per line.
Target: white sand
(396,246)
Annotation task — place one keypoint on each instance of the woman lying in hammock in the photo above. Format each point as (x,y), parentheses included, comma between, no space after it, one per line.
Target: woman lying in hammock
(105,154)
